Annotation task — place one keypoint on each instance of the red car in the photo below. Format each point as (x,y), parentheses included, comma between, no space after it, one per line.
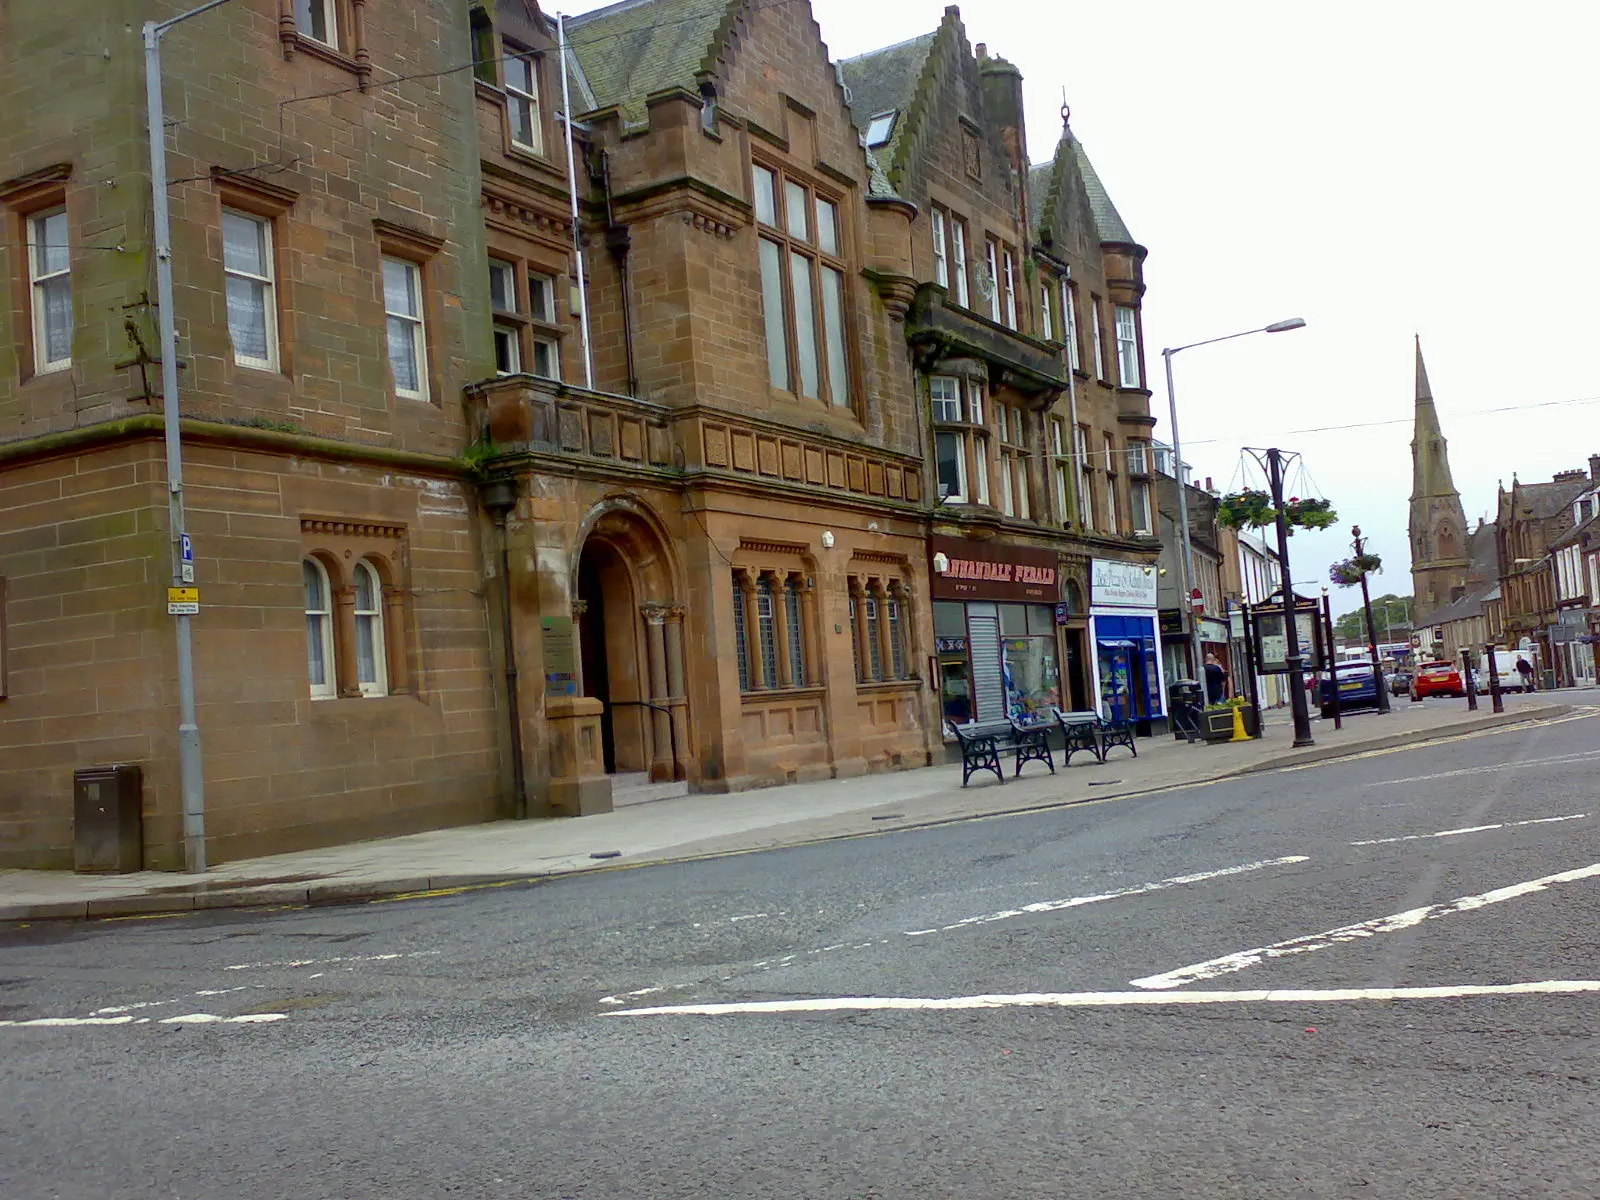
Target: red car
(1437,679)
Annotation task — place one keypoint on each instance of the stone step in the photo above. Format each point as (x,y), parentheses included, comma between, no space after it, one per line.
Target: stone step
(634,787)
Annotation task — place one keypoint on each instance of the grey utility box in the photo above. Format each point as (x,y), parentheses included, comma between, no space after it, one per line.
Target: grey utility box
(108,819)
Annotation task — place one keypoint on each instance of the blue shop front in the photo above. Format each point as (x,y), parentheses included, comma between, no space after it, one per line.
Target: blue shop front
(1124,624)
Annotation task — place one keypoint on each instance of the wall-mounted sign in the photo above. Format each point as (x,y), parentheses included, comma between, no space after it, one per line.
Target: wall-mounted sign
(1117,584)
(560,656)
(955,645)
(1171,623)
(992,571)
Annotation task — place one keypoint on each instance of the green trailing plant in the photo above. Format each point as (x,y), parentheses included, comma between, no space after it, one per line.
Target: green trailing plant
(1252,508)
(1224,705)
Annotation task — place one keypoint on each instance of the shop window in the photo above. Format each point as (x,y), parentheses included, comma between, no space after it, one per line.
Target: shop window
(1031,675)
(803,275)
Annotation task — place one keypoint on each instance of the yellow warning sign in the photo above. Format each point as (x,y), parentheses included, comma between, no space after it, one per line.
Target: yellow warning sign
(183,595)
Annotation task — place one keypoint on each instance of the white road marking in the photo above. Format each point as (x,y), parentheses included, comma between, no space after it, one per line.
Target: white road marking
(1444,833)
(1228,963)
(1044,906)
(123,1008)
(1553,761)
(317,962)
(185,1019)
(1113,999)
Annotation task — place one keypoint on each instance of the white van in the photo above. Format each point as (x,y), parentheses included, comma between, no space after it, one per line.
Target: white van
(1505,664)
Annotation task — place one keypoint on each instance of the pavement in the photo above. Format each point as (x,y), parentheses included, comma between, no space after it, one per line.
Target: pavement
(1369,978)
(689,826)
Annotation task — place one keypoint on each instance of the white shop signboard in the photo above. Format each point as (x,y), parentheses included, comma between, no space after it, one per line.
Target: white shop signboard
(1115,584)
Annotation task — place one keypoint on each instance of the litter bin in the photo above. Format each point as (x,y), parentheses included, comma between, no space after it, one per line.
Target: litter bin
(1548,681)
(108,820)
(1185,697)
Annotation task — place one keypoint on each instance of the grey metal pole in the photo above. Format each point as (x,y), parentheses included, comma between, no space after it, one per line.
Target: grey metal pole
(572,195)
(190,768)
(1186,562)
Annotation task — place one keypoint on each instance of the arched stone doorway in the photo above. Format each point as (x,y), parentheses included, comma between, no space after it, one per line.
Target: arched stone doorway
(630,636)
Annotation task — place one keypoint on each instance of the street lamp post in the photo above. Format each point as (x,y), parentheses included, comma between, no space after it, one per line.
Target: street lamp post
(1291,632)
(1359,544)
(1186,557)
(190,771)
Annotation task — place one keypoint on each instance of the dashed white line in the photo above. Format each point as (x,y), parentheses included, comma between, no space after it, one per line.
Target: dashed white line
(1045,906)
(1228,963)
(1553,761)
(1112,999)
(185,1019)
(317,962)
(1444,833)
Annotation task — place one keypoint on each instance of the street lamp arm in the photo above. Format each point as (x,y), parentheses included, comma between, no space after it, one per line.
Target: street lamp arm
(1275,327)
(160,27)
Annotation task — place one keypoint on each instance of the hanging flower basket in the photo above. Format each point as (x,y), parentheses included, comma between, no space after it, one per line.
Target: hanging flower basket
(1249,509)
(1352,570)
(1310,513)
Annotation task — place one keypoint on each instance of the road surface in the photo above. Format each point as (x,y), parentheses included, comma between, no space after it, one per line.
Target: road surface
(1374,978)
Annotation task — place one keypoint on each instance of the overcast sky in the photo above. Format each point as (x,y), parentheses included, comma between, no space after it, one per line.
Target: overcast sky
(1381,169)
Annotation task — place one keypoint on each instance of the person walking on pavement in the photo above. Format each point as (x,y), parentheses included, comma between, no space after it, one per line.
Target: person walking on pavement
(1525,669)
(1216,681)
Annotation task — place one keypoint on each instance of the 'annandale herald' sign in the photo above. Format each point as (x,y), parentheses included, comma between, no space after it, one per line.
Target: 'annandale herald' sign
(971,570)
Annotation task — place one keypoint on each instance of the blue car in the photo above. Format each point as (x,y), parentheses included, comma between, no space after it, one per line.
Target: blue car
(1352,685)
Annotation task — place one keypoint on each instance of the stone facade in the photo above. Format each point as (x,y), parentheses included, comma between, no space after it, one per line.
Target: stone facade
(475,540)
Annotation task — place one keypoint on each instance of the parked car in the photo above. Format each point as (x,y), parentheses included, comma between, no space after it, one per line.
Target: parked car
(1350,685)
(1437,679)
(1400,683)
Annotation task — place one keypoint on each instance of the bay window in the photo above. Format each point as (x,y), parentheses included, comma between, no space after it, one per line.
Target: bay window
(1127,347)
(961,449)
(1047,325)
(802,288)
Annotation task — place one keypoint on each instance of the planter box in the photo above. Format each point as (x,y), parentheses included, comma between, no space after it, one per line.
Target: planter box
(1217,724)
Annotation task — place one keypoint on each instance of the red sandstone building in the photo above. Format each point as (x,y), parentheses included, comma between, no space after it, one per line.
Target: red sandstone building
(483,530)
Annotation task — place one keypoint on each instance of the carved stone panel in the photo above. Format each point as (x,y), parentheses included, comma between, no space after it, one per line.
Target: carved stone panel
(716,446)
(816,471)
(875,483)
(744,451)
(632,440)
(836,470)
(767,451)
(791,460)
(571,429)
(858,474)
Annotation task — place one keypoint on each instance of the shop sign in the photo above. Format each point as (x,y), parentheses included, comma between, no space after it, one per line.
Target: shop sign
(1171,623)
(1116,584)
(967,570)
(956,645)
(1213,630)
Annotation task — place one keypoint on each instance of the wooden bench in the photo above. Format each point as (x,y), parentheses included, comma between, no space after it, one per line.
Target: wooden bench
(983,742)
(1080,731)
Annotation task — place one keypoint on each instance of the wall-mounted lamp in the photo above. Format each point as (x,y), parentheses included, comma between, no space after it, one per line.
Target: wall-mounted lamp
(941,563)
(827,539)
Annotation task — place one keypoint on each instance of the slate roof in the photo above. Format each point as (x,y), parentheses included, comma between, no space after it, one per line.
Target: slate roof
(1108,222)
(885,79)
(1546,500)
(633,50)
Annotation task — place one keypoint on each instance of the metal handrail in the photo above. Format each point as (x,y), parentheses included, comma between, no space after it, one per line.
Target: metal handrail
(672,730)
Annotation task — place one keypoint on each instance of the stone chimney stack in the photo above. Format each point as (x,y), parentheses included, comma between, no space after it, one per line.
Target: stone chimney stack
(1594,467)
(1002,104)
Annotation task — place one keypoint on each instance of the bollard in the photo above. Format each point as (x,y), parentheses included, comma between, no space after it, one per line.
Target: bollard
(1467,680)
(1495,703)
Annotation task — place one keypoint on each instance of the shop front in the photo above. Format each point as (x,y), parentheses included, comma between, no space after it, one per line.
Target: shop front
(1125,626)
(995,609)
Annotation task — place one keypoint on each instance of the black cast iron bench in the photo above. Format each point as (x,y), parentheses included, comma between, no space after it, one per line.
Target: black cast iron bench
(983,743)
(1080,731)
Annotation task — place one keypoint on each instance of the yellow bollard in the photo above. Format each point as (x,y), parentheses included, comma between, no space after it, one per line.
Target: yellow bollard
(1239,735)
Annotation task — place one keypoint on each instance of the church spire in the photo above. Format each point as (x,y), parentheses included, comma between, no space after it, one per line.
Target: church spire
(1430,460)
(1438,525)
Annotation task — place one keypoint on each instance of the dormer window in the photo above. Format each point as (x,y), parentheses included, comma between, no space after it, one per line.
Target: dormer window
(881,128)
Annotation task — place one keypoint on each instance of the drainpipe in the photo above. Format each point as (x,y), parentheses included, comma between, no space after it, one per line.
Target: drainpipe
(617,241)
(500,497)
